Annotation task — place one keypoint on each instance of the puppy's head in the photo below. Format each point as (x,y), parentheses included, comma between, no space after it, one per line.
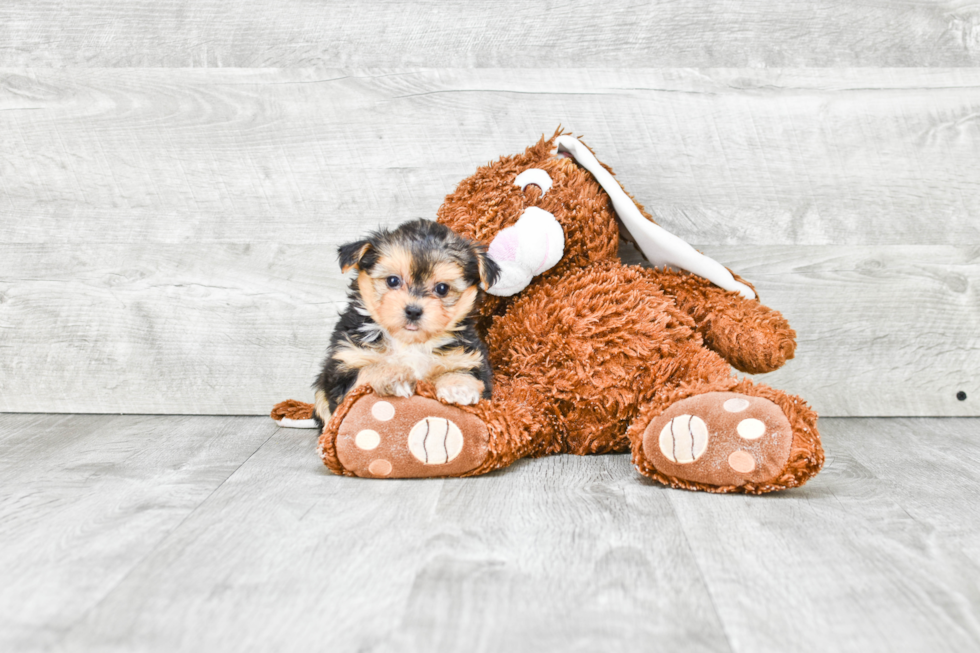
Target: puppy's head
(419,281)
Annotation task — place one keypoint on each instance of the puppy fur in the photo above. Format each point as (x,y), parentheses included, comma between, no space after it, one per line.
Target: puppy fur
(410,317)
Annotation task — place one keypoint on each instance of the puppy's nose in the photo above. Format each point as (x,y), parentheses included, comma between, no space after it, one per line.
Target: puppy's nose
(413,312)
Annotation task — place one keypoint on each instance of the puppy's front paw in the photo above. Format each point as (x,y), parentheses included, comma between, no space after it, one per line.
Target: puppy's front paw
(460,389)
(458,395)
(394,387)
(403,389)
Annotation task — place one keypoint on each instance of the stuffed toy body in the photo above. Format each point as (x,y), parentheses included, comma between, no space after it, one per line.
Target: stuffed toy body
(591,355)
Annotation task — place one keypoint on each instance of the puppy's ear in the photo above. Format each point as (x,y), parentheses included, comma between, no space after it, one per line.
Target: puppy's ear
(351,254)
(489,270)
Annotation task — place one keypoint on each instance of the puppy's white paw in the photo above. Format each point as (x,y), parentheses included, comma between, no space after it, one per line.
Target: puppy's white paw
(461,395)
(395,388)
(403,389)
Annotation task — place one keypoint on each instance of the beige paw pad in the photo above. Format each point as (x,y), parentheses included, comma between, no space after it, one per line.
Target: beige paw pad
(435,440)
(367,439)
(741,461)
(383,411)
(380,467)
(683,439)
(736,405)
(751,429)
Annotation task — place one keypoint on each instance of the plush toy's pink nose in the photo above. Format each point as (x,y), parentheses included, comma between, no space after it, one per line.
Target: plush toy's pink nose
(504,246)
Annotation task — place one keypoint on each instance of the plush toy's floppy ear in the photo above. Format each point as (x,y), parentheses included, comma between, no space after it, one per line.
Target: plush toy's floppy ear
(352,254)
(659,245)
(489,270)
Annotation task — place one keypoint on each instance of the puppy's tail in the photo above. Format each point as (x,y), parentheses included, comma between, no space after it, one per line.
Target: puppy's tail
(294,415)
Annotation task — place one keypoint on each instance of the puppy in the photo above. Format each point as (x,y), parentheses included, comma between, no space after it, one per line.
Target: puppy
(410,318)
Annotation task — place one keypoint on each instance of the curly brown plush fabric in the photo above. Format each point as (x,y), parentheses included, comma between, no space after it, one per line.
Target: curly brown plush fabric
(591,357)
(292,409)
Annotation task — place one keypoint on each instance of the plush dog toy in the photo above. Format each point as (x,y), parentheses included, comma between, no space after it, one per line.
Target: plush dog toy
(591,355)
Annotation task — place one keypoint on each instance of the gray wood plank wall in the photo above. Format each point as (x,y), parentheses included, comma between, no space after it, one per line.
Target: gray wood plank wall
(502,33)
(167,232)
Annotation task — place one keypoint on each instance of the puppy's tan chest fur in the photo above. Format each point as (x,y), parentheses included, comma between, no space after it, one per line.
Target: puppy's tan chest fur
(418,361)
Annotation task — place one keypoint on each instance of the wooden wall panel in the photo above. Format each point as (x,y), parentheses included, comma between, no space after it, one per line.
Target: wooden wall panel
(148,328)
(719,156)
(503,33)
(882,330)
(166,240)
(231,329)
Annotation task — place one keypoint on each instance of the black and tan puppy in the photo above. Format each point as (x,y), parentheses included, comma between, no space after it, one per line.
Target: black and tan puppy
(410,317)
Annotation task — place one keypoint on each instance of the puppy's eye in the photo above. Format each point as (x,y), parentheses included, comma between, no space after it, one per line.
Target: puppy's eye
(393,281)
(441,289)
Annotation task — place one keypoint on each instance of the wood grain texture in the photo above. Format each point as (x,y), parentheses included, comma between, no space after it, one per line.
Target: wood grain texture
(252,33)
(84,499)
(232,329)
(870,555)
(859,157)
(543,558)
(881,330)
(197,329)
(114,543)
(167,241)
(907,468)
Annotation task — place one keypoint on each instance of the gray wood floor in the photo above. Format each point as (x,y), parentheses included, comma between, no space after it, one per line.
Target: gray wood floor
(225,533)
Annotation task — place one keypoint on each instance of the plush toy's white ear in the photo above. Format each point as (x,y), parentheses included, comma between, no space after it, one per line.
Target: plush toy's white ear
(659,245)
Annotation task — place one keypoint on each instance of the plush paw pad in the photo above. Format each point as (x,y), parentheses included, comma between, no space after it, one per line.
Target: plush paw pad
(720,438)
(394,437)
(684,439)
(435,440)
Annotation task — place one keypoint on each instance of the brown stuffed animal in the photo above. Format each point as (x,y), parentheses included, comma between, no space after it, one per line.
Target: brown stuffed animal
(591,355)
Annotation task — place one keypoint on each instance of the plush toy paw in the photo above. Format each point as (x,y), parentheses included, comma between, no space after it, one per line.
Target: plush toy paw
(721,439)
(394,437)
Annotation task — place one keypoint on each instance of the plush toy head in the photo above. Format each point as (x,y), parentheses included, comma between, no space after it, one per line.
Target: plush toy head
(539,213)
(555,207)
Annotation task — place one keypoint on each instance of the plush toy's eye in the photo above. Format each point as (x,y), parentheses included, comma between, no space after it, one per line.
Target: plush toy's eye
(441,289)
(393,281)
(535,176)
